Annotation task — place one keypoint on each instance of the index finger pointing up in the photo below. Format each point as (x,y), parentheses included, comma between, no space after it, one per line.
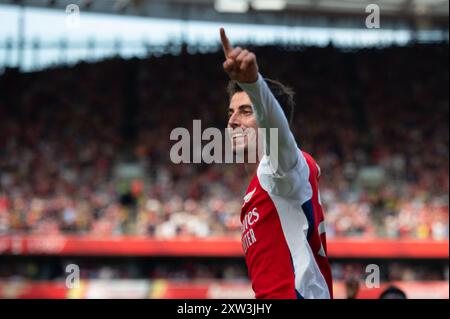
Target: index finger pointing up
(226,45)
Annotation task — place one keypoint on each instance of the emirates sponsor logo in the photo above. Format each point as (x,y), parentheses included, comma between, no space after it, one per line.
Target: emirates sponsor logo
(248,235)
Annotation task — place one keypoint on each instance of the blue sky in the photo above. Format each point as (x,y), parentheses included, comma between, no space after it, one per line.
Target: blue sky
(50,26)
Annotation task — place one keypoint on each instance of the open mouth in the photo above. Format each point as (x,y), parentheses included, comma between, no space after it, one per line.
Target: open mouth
(235,136)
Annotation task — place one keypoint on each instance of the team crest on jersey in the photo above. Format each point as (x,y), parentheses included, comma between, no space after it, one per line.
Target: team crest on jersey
(249,196)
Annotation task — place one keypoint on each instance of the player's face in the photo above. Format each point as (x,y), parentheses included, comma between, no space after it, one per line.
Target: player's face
(242,121)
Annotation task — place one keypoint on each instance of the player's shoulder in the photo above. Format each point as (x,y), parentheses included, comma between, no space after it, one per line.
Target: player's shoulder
(309,158)
(312,164)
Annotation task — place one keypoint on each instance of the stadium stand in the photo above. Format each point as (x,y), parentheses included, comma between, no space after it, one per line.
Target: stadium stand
(84,158)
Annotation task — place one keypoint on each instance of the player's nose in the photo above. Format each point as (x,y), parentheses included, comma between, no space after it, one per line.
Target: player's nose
(233,121)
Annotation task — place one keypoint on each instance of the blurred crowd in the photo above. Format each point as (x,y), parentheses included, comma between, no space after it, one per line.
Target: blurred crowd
(85,149)
(53,268)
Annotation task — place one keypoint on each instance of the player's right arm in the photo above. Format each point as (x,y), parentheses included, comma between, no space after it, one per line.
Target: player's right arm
(241,66)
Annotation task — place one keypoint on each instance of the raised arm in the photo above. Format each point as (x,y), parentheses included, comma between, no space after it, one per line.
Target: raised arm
(241,66)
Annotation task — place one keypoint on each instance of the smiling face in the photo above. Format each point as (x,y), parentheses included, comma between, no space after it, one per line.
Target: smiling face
(242,121)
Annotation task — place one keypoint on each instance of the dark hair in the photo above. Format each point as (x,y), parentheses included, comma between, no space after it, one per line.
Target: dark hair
(393,292)
(283,94)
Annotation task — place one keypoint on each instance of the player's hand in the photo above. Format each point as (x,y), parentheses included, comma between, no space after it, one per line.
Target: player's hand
(240,65)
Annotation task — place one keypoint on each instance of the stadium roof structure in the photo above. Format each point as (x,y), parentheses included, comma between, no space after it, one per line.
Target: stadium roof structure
(396,14)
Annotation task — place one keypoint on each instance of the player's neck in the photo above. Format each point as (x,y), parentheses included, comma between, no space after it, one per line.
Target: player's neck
(251,166)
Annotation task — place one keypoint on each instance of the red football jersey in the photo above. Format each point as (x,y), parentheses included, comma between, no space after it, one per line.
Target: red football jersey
(283,230)
(283,234)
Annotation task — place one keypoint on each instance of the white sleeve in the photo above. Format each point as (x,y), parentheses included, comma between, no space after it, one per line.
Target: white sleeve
(269,114)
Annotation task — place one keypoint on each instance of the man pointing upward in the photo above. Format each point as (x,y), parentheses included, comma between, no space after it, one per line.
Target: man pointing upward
(283,229)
